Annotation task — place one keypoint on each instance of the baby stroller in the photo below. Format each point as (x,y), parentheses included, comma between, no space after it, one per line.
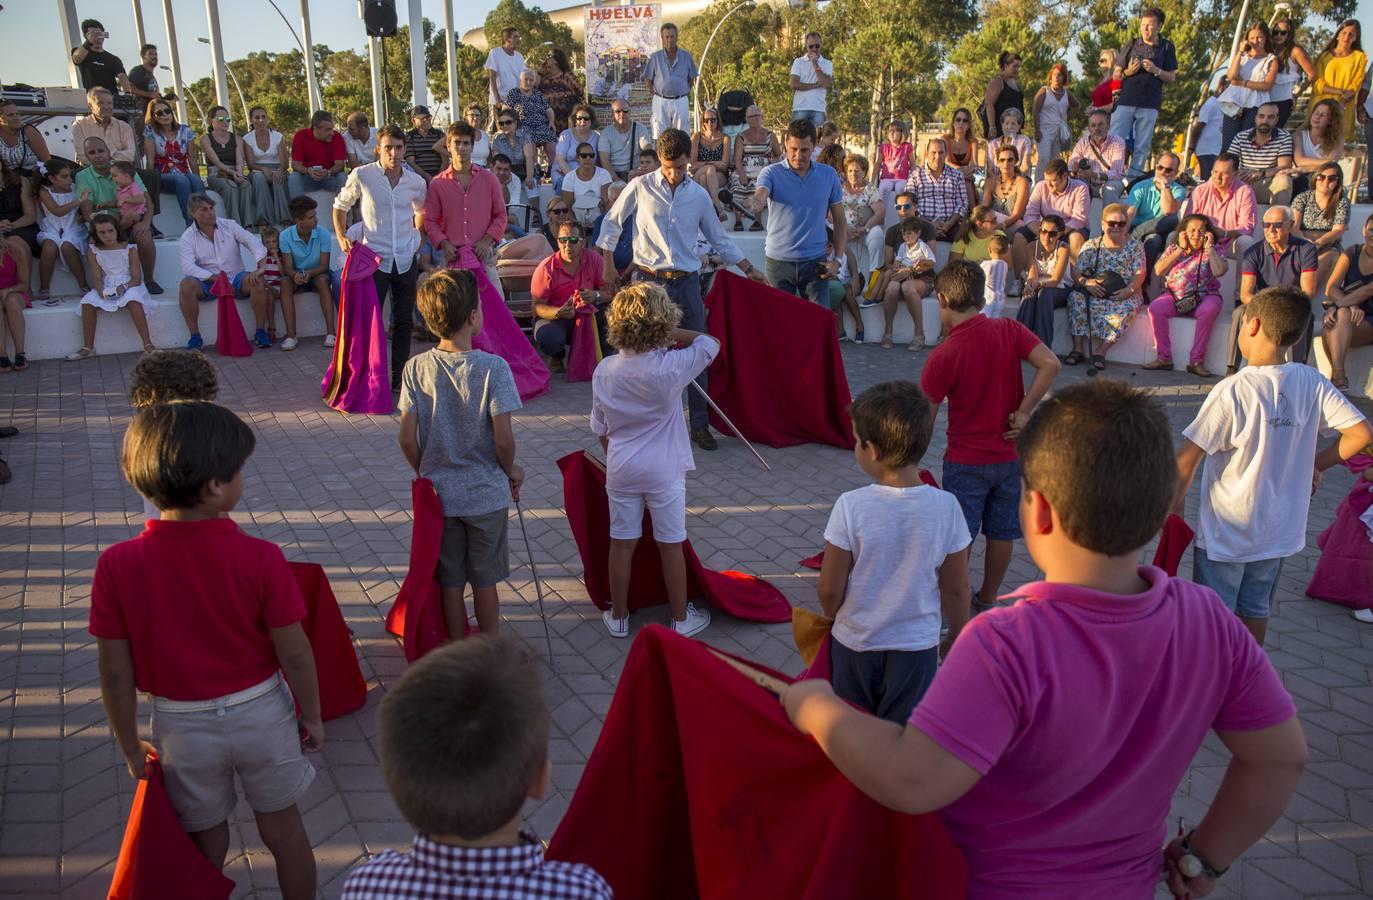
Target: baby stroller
(731,107)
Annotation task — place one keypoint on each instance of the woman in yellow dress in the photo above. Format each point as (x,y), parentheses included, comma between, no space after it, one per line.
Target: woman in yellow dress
(1340,69)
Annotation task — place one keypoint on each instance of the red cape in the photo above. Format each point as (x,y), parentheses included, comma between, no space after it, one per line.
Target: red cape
(158,859)
(1172,543)
(231,340)
(779,375)
(342,688)
(700,787)
(416,616)
(741,595)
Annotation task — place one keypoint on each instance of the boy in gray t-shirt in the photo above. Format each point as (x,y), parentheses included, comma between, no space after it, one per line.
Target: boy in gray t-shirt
(455,430)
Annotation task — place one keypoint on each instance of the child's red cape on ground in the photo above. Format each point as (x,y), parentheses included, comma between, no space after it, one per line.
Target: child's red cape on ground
(741,595)
(700,787)
(779,376)
(342,688)
(416,616)
(158,859)
(231,340)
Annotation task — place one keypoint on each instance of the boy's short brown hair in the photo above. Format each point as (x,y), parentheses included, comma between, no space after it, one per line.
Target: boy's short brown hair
(173,450)
(447,300)
(1102,454)
(962,284)
(463,735)
(642,318)
(1283,311)
(896,418)
(299,206)
(168,375)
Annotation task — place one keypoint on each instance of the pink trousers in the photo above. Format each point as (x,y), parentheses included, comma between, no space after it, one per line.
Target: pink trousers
(1164,308)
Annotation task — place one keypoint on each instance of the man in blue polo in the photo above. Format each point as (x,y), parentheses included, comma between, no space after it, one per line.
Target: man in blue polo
(798,194)
(1281,258)
(669,75)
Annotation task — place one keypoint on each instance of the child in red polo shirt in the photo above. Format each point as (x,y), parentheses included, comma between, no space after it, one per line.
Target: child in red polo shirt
(978,369)
(200,617)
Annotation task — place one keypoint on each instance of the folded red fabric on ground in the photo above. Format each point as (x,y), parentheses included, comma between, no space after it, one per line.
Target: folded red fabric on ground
(158,859)
(739,594)
(416,616)
(1173,541)
(779,375)
(700,787)
(231,340)
(342,688)
(1343,573)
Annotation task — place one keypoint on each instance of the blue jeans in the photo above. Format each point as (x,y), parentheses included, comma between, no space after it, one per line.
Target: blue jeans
(989,496)
(814,115)
(887,683)
(297,183)
(792,277)
(1246,589)
(686,293)
(183,184)
(1136,122)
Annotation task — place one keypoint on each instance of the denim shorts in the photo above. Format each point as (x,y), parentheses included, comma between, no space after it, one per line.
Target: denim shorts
(989,495)
(1245,588)
(208,284)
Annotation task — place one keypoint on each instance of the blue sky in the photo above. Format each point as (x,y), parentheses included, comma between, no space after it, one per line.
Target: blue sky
(34,51)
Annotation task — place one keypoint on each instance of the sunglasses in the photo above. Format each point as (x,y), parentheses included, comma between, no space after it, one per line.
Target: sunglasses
(1049,232)
(504,122)
(581,118)
(557,211)
(162,112)
(812,46)
(1167,170)
(1327,178)
(1268,225)
(710,120)
(586,156)
(1009,159)
(619,112)
(963,119)
(569,239)
(223,119)
(1278,31)
(1116,223)
(905,206)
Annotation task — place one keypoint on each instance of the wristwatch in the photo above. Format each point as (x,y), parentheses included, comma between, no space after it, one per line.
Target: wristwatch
(1192,863)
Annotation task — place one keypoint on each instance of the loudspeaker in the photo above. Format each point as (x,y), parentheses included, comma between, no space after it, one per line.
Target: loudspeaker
(380,18)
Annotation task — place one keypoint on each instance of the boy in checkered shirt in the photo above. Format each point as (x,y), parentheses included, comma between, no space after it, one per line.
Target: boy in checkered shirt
(463,743)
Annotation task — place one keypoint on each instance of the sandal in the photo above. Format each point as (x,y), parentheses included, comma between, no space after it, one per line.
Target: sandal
(149,348)
(738,226)
(21,362)
(916,346)
(756,226)
(886,342)
(1075,358)
(1339,380)
(1098,362)
(6,365)
(83,353)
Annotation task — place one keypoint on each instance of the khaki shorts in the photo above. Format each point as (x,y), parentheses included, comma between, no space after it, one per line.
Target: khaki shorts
(256,739)
(474,550)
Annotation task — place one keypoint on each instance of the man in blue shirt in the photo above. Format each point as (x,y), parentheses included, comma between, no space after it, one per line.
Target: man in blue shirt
(305,267)
(1153,206)
(1144,66)
(798,194)
(1281,258)
(669,76)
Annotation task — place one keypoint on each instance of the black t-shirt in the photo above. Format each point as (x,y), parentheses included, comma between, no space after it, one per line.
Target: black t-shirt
(145,80)
(100,68)
(1145,89)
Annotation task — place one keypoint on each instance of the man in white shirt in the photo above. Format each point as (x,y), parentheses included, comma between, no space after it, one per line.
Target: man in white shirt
(208,247)
(669,75)
(360,138)
(392,214)
(512,189)
(621,141)
(811,76)
(669,210)
(503,67)
(1206,132)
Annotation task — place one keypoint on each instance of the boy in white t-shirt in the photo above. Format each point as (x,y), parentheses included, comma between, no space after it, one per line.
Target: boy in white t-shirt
(896,553)
(1257,433)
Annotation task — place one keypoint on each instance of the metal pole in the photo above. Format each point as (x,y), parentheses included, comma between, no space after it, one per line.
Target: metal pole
(538,588)
(378,101)
(451,51)
(311,82)
(71,34)
(719,412)
(198,108)
(247,123)
(174,58)
(217,53)
(419,89)
(701,64)
(138,23)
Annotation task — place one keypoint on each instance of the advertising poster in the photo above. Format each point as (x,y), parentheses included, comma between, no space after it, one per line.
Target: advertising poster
(619,41)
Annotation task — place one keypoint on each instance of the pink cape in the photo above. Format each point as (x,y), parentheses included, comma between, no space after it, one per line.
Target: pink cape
(356,380)
(231,340)
(501,334)
(1344,572)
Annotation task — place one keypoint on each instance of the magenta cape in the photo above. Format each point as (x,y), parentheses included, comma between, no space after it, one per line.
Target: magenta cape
(501,334)
(356,380)
(1343,573)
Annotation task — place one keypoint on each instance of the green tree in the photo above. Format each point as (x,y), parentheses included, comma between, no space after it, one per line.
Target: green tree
(973,63)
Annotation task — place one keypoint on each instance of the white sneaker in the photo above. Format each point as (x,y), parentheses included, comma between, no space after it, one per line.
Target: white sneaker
(696,621)
(330,340)
(289,344)
(1364,615)
(618,628)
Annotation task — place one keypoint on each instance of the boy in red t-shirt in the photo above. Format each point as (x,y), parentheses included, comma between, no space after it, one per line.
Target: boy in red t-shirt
(200,617)
(978,369)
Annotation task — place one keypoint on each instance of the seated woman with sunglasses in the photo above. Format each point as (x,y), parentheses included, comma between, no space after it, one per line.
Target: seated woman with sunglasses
(569,149)
(512,141)
(584,189)
(572,273)
(1106,295)
(709,166)
(1321,215)
(1046,281)
(1191,270)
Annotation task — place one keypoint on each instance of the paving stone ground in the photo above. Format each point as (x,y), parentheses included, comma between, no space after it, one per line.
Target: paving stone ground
(335,490)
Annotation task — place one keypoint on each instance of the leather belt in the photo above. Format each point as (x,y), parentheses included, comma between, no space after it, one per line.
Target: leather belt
(664,274)
(666,97)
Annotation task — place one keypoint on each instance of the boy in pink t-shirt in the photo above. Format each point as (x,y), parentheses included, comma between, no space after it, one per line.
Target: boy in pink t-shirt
(1057,730)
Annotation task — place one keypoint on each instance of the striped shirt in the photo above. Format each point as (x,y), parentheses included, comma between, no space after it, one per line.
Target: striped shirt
(1253,156)
(420,148)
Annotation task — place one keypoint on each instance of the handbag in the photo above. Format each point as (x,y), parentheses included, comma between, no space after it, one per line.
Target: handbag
(1111,282)
(1186,290)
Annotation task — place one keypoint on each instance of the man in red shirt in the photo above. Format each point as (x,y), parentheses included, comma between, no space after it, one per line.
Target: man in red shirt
(978,369)
(317,157)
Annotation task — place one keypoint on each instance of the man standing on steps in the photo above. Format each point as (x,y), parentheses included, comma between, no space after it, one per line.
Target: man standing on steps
(669,75)
(503,67)
(669,211)
(1143,67)
(97,179)
(392,215)
(811,76)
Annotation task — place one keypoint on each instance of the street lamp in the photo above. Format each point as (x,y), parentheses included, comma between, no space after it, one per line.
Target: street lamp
(200,109)
(246,117)
(701,66)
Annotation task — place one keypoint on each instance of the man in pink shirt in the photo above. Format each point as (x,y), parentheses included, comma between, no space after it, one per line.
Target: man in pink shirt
(1228,202)
(1098,158)
(464,213)
(1058,194)
(1057,730)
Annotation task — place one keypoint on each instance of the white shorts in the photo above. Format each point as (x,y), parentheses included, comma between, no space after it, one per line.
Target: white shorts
(667,507)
